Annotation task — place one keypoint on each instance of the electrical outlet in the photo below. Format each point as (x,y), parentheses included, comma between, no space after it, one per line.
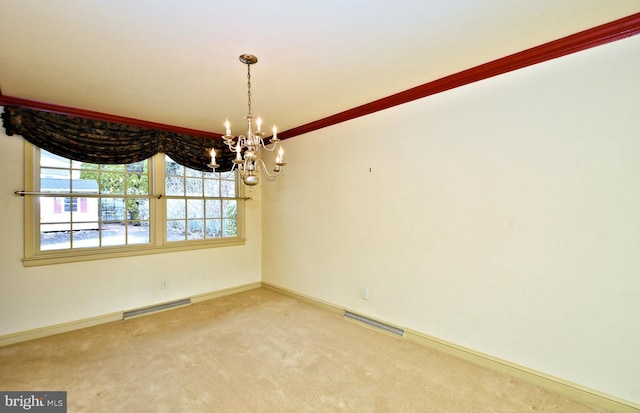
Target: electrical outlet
(364,293)
(164,284)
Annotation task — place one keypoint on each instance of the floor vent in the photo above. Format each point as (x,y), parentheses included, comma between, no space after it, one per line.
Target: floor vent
(155,308)
(374,323)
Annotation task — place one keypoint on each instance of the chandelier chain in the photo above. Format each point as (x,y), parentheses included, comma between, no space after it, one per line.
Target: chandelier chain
(249,86)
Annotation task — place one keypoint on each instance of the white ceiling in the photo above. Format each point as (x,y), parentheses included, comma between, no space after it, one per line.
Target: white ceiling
(176,62)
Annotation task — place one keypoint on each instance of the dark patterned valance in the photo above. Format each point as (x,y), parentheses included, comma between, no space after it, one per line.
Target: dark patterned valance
(103,142)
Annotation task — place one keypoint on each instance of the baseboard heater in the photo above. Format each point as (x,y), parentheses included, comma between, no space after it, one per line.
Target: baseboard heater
(374,323)
(155,308)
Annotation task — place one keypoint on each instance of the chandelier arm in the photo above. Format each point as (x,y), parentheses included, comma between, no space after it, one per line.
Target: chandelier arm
(233,144)
(265,172)
(270,147)
(229,172)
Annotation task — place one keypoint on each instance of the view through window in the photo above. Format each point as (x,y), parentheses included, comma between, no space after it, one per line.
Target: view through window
(196,208)
(83,205)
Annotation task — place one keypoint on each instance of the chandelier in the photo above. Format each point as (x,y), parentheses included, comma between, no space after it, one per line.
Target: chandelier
(247,147)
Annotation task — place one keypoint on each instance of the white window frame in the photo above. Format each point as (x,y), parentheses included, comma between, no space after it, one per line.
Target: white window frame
(157,228)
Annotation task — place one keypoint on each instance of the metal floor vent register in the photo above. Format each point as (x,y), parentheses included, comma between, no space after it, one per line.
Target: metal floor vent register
(155,308)
(374,323)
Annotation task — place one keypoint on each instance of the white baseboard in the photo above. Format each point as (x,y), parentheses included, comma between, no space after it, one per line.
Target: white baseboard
(554,384)
(557,385)
(41,332)
(227,291)
(308,299)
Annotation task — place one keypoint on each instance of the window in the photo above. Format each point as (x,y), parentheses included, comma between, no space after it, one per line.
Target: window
(85,211)
(195,208)
(71,204)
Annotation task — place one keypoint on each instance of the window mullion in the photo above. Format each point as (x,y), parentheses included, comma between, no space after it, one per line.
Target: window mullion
(159,204)
(31,209)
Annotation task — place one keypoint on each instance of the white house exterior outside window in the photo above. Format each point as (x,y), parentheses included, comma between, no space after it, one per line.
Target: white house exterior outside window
(82,211)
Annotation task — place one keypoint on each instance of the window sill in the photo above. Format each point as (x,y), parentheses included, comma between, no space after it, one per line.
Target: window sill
(62,257)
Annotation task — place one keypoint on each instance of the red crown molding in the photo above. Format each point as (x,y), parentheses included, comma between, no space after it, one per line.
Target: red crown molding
(606,33)
(597,36)
(89,114)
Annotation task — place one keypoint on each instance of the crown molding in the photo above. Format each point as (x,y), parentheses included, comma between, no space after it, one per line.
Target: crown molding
(597,36)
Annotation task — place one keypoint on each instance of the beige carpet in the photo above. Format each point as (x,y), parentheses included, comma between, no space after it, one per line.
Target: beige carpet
(259,351)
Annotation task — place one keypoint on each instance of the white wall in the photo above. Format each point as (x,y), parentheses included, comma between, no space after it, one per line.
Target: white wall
(43,296)
(503,216)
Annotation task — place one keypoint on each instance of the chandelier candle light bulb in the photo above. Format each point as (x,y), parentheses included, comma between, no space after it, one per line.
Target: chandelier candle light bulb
(213,163)
(280,157)
(252,143)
